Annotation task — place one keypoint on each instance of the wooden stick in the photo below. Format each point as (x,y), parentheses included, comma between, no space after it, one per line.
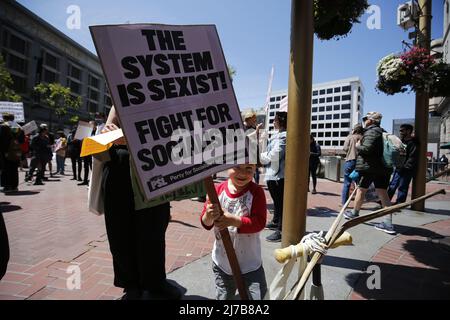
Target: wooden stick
(301,283)
(350,224)
(229,249)
(439,174)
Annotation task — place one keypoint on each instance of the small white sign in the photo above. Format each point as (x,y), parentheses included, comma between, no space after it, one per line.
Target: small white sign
(84,130)
(30,127)
(15,108)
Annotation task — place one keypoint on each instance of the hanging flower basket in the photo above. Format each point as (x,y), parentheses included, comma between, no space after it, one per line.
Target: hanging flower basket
(414,70)
(335,18)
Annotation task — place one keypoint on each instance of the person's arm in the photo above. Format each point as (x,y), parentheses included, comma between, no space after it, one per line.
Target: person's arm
(276,152)
(257,219)
(112,124)
(368,143)
(410,163)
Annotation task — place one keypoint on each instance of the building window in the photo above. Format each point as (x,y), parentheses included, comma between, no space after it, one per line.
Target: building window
(315,93)
(321,109)
(51,61)
(314,126)
(341,143)
(329,108)
(314,118)
(314,109)
(272,114)
(338,89)
(320,142)
(92,107)
(346,88)
(322,91)
(330,99)
(346,107)
(19,84)
(314,101)
(337,107)
(321,117)
(346,98)
(322,100)
(278,98)
(329,91)
(16,63)
(327,143)
(337,98)
(272,106)
(107,101)
(271,121)
(335,134)
(335,143)
(50,76)
(336,125)
(282,97)
(321,125)
(320,134)
(344,134)
(15,43)
(277,105)
(93,82)
(329,116)
(74,76)
(345,125)
(328,134)
(336,116)
(328,125)
(345,116)
(272,99)
(314,134)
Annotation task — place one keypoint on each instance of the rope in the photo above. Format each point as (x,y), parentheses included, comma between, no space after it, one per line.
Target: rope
(314,242)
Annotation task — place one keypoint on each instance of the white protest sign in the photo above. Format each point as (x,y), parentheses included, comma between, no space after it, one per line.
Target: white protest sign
(84,130)
(15,108)
(30,127)
(173,94)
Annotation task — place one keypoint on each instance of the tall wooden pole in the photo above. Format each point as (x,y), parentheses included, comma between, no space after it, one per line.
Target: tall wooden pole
(299,121)
(422,108)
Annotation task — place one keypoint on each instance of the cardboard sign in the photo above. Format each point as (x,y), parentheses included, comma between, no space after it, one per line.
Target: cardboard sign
(173,94)
(15,108)
(99,143)
(84,130)
(30,127)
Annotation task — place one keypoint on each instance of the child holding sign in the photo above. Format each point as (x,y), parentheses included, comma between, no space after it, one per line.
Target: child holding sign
(244,206)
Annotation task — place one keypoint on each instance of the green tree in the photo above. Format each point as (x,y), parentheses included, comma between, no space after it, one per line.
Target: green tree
(58,98)
(6,82)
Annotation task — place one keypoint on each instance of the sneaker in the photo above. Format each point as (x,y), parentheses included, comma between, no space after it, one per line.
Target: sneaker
(274,237)
(385,228)
(350,215)
(84,183)
(272,226)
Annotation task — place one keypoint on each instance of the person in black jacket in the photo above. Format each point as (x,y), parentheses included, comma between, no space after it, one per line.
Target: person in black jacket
(314,161)
(403,176)
(371,169)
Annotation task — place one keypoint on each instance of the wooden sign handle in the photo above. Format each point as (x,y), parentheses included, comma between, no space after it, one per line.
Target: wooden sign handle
(225,235)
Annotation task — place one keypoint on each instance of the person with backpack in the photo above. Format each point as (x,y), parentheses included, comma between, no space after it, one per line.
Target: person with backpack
(11,139)
(403,174)
(371,169)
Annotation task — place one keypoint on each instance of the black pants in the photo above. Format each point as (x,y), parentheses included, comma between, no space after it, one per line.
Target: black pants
(10,175)
(136,238)
(313,172)
(75,161)
(4,247)
(276,189)
(87,163)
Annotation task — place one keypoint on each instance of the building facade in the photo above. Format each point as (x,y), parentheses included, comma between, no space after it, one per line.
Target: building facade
(336,107)
(440,107)
(35,52)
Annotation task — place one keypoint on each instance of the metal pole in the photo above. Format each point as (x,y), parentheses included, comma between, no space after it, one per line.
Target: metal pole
(422,108)
(299,120)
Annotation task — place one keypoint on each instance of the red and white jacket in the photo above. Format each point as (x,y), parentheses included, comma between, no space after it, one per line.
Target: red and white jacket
(249,204)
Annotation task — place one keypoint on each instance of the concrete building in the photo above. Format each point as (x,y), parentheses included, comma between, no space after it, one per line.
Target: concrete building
(35,51)
(440,107)
(336,107)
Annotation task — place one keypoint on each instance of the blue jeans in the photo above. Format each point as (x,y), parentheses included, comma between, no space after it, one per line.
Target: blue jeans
(60,164)
(400,181)
(349,166)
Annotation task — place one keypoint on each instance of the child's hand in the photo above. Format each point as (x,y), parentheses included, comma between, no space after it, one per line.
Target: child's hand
(213,211)
(227,220)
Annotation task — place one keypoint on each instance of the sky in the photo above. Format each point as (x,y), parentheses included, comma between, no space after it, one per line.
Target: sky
(255,35)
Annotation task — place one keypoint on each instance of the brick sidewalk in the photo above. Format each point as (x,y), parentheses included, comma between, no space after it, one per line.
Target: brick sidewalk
(412,266)
(50,229)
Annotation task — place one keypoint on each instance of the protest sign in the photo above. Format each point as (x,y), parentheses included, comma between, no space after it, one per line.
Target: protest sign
(15,108)
(84,130)
(173,94)
(99,143)
(30,127)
